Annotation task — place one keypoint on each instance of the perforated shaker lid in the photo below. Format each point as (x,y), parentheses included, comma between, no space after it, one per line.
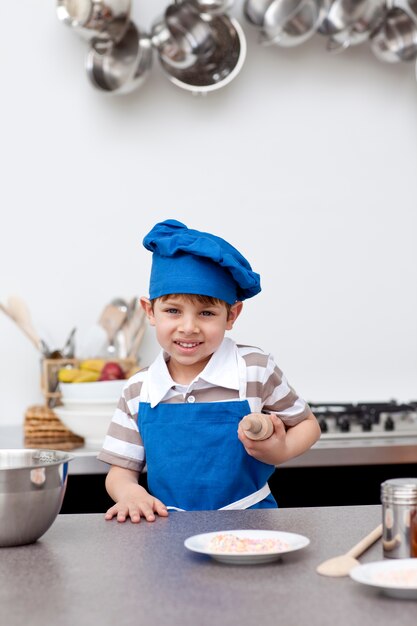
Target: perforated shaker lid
(399,491)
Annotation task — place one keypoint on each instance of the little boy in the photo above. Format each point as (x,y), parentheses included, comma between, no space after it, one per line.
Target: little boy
(181,415)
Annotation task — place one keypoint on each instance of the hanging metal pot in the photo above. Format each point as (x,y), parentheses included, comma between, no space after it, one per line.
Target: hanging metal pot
(103,21)
(122,67)
(285,23)
(396,39)
(213,7)
(182,36)
(351,22)
(218,68)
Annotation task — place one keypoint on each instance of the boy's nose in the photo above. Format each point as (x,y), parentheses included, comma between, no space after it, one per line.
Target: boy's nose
(189,325)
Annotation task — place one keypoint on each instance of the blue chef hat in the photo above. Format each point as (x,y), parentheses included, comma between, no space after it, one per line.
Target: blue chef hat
(194,262)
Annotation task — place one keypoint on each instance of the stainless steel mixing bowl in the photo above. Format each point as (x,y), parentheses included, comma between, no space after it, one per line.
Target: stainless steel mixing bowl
(32,489)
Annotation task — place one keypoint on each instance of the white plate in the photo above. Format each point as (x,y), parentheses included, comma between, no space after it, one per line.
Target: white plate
(394,577)
(290,543)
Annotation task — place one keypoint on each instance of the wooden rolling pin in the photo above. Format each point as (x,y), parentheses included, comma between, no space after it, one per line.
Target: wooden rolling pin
(257,426)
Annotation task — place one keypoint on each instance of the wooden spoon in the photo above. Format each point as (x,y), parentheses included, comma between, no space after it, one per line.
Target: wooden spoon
(341,565)
(112,319)
(17,310)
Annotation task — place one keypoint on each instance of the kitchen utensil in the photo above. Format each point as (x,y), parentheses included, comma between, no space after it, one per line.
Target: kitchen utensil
(257,426)
(112,319)
(137,339)
(18,311)
(255,10)
(342,564)
(119,343)
(342,15)
(182,36)
(399,508)
(214,7)
(284,22)
(121,303)
(32,488)
(221,67)
(396,38)
(33,338)
(124,66)
(132,326)
(100,21)
(68,351)
(351,22)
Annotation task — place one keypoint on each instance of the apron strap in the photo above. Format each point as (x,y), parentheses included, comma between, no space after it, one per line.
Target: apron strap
(243,503)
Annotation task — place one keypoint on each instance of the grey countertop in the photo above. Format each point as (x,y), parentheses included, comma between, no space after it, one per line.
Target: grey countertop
(86,571)
(324,453)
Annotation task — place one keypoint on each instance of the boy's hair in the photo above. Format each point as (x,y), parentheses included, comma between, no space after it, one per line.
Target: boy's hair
(191,297)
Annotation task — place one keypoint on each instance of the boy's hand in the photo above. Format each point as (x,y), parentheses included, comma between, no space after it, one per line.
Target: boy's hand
(269,450)
(136,503)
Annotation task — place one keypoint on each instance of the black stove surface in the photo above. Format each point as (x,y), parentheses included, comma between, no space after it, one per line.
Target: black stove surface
(366,417)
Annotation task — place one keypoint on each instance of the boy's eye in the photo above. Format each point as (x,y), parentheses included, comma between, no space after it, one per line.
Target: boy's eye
(172,311)
(207,313)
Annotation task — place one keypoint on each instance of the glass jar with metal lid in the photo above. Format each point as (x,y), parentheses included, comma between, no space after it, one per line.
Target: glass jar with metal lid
(399,517)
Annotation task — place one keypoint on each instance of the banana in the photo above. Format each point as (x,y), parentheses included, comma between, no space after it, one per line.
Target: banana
(84,376)
(95,365)
(76,375)
(67,374)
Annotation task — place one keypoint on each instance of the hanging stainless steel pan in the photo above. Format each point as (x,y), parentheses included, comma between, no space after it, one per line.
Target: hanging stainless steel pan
(213,7)
(285,23)
(221,67)
(361,16)
(182,36)
(351,22)
(96,20)
(124,66)
(396,39)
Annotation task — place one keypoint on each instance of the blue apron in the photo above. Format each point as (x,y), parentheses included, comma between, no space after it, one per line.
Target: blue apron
(195,460)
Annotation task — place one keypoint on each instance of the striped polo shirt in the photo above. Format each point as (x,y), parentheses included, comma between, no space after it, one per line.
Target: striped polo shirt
(267,389)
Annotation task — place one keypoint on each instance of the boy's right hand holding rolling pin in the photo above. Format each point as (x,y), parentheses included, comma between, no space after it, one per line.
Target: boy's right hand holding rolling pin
(265,437)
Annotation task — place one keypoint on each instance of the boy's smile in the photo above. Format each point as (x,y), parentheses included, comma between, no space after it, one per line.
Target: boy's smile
(189,331)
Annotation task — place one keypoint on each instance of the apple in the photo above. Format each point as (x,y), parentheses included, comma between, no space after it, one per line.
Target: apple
(112,371)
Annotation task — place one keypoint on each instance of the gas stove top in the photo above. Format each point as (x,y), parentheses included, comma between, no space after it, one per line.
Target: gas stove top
(366,420)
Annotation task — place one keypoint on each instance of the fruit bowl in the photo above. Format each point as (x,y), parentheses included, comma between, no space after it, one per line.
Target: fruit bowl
(103,391)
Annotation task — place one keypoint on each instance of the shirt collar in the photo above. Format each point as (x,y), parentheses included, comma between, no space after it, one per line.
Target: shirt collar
(221,370)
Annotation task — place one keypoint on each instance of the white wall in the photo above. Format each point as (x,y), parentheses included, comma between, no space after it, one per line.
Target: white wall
(306,162)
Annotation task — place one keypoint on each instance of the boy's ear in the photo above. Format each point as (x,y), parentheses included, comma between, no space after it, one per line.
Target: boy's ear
(146,305)
(235,311)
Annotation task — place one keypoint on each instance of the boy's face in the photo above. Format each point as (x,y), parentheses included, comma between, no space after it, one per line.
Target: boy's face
(189,331)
